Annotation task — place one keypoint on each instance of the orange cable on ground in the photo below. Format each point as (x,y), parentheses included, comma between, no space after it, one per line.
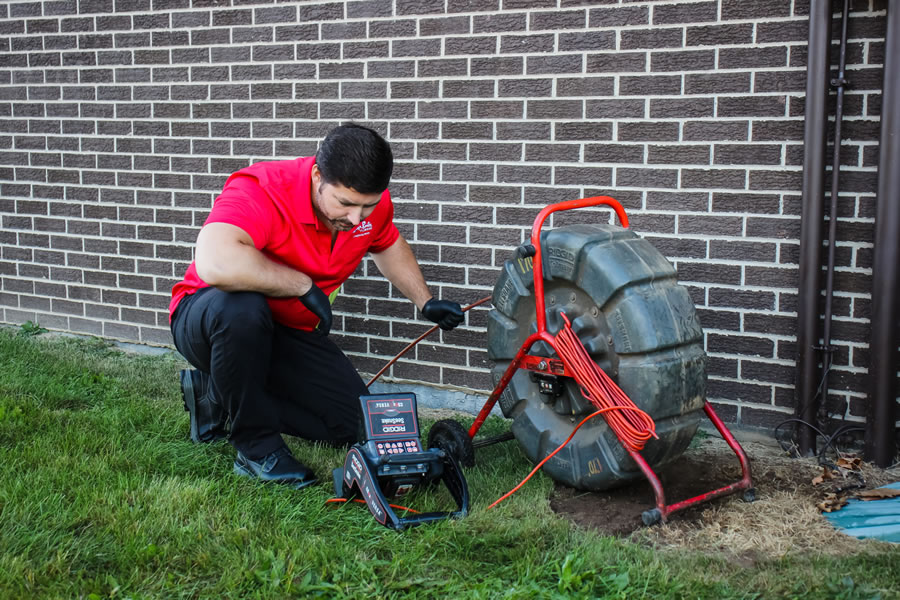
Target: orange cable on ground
(361,501)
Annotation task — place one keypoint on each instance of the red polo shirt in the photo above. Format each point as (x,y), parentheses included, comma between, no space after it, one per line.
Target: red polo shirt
(271,202)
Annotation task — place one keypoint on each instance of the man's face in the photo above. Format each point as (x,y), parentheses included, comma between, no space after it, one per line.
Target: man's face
(339,207)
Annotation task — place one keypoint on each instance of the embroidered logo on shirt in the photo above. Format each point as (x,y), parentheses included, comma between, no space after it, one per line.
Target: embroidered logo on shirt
(364,228)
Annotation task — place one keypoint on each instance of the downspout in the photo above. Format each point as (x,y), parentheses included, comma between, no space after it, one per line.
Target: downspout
(839,83)
(881,414)
(814,140)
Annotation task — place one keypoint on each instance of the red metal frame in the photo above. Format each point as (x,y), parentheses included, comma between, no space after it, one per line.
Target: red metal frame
(523,360)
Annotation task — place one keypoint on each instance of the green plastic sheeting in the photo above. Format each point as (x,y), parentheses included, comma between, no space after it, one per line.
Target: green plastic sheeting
(879,519)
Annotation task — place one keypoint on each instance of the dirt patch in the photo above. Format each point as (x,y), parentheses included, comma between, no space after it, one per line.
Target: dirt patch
(783,519)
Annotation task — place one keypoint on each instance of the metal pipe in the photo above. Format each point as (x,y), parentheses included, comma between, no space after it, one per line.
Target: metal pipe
(881,417)
(838,83)
(811,219)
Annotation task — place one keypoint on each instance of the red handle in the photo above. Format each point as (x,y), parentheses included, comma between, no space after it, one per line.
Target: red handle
(536,242)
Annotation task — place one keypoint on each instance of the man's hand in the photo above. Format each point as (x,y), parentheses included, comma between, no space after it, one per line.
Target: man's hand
(443,312)
(317,303)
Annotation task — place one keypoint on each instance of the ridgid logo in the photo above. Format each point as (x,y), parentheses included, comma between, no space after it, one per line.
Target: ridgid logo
(364,228)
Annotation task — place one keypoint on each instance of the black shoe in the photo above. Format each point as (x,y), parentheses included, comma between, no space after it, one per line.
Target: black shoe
(279,467)
(207,417)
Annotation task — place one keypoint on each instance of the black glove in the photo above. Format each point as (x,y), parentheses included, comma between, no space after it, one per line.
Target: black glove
(443,312)
(317,303)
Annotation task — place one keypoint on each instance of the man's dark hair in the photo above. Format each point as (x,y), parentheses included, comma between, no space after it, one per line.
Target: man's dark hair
(356,157)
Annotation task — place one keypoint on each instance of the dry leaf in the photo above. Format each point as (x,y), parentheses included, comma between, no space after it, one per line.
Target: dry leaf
(826,474)
(878,494)
(831,503)
(851,463)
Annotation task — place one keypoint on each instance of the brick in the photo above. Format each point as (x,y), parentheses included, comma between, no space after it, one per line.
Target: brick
(348,70)
(683,60)
(587,41)
(470,45)
(442,68)
(507,87)
(681,108)
(782,31)
(499,23)
(614,153)
(685,12)
(280,14)
(296,33)
(779,81)
(752,58)
(393,29)
(652,131)
(566,63)
(554,109)
(713,178)
(369,9)
(775,180)
(646,177)
(416,47)
(619,62)
(747,154)
(501,152)
(716,35)
(516,174)
(763,9)
(619,16)
(418,7)
(441,26)
(450,110)
(631,39)
(645,85)
(716,131)
(781,228)
(534,130)
(514,44)
(597,176)
(321,12)
(685,154)
(500,65)
(455,6)
(753,106)
(582,130)
(552,152)
(618,108)
(561,19)
(470,130)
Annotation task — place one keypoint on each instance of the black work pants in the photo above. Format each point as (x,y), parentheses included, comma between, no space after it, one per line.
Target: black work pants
(271,379)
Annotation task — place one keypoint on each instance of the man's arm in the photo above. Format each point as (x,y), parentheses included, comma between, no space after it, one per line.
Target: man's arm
(399,265)
(227,259)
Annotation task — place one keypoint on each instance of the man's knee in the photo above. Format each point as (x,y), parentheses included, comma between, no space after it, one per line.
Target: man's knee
(243,315)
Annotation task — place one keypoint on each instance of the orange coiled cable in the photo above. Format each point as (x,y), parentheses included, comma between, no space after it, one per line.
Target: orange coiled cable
(631,425)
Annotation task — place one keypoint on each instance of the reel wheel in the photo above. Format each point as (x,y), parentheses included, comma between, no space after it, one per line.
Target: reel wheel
(452,438)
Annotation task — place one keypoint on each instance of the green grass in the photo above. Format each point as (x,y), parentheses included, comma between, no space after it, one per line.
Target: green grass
(102,495)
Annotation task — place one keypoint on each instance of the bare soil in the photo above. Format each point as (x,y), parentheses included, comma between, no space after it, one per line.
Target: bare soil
(783,519)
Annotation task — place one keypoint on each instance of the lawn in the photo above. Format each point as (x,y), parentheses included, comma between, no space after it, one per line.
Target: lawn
(102,495)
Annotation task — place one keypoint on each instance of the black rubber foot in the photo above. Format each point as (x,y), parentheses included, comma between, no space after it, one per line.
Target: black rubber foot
(750,495)
(651,517)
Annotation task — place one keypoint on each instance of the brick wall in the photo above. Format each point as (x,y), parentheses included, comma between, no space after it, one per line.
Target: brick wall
(121,119)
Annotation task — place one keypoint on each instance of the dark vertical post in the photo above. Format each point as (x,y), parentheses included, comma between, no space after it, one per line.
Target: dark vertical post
(814,140)
(881,417)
